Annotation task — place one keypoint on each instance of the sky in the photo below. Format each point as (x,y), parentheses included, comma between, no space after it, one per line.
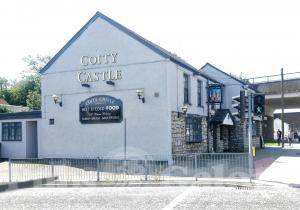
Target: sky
(256,37)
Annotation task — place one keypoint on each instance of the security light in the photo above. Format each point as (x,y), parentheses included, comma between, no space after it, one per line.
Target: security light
(184,109)
(56,99)
(141,95)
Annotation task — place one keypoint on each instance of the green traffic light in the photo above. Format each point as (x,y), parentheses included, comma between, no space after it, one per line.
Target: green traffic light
(259,110)
(259,102)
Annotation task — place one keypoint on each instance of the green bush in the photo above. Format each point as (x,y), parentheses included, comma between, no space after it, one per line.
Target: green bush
(4,109)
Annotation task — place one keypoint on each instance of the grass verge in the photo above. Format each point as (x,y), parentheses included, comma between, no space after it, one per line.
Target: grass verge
(271,143)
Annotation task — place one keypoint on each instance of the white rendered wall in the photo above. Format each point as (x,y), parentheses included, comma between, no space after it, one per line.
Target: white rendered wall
(232,87)
(148,128)
(15,149)
(147,123)
(176,89)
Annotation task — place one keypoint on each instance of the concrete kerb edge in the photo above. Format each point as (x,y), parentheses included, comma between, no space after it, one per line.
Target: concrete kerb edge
(68,184)
(25,184)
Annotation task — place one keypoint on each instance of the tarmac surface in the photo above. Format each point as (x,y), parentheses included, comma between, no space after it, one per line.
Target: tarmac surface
(152,198)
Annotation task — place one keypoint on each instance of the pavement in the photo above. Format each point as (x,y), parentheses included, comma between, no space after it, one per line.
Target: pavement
(152,198)
(273,165)
(3,171)
(279,165)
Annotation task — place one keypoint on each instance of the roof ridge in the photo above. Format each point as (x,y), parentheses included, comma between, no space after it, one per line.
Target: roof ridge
(156,48)
(238,80)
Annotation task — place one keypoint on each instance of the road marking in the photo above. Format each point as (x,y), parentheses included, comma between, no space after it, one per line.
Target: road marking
(178,199)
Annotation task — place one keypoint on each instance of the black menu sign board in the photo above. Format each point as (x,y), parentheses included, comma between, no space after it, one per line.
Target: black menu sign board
(100,109)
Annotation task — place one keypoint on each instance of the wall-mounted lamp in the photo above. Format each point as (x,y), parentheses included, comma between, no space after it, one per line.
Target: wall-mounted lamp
(57,100)
(140,93)
(184,110)
(85,85)
(110,83)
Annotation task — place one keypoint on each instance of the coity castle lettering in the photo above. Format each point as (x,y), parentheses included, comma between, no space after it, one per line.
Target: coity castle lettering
(109,58)
(98,59)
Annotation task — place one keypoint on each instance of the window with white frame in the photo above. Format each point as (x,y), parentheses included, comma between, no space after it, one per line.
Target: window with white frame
(199,92)
(186,89)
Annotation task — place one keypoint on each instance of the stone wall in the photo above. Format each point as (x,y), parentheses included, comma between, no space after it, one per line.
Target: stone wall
(237,137)
(256,139)
(179,144)
(224,129)
(230,139)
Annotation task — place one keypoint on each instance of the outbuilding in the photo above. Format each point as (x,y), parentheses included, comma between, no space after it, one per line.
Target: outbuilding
(19,134)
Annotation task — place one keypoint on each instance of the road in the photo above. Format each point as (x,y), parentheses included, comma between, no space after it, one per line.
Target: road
(152,198)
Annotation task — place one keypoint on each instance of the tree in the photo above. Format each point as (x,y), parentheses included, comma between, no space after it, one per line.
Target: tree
(35,64)
(3,83)
(241,77)
(33,100)
(20,91)
(33,94)
(26,92)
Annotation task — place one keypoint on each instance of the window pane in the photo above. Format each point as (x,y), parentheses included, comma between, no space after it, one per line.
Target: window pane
(4,131)
(193,129)
(18,131)
(12,131)
(199,92)
(186,88)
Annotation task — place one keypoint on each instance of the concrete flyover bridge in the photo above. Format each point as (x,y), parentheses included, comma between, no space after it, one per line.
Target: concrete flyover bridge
(271,86)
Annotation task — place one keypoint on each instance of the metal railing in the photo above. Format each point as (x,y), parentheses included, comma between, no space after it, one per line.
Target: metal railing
(273,78)
(149,167)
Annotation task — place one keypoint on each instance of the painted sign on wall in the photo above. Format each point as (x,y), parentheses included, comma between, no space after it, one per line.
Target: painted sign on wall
(103,59)
(100,109)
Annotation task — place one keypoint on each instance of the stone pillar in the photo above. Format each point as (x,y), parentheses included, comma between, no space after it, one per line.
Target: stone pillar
(178,133)
(220,142)
(225,137)
(239,141)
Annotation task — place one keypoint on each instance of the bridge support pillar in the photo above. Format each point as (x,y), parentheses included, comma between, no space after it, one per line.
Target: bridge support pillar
(268,128)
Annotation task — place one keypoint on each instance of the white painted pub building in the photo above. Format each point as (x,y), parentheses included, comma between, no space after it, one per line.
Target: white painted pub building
(110,92)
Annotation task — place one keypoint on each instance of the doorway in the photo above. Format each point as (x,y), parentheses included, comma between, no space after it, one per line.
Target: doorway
(31,139)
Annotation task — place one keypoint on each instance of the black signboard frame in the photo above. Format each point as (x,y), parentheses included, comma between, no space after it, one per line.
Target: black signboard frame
(101,109)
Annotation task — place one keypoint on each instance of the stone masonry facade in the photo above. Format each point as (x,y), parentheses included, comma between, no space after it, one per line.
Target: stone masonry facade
(179,143)
(227,138)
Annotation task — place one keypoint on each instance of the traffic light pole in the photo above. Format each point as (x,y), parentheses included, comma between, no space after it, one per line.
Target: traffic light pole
(250,160)
(282,109)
